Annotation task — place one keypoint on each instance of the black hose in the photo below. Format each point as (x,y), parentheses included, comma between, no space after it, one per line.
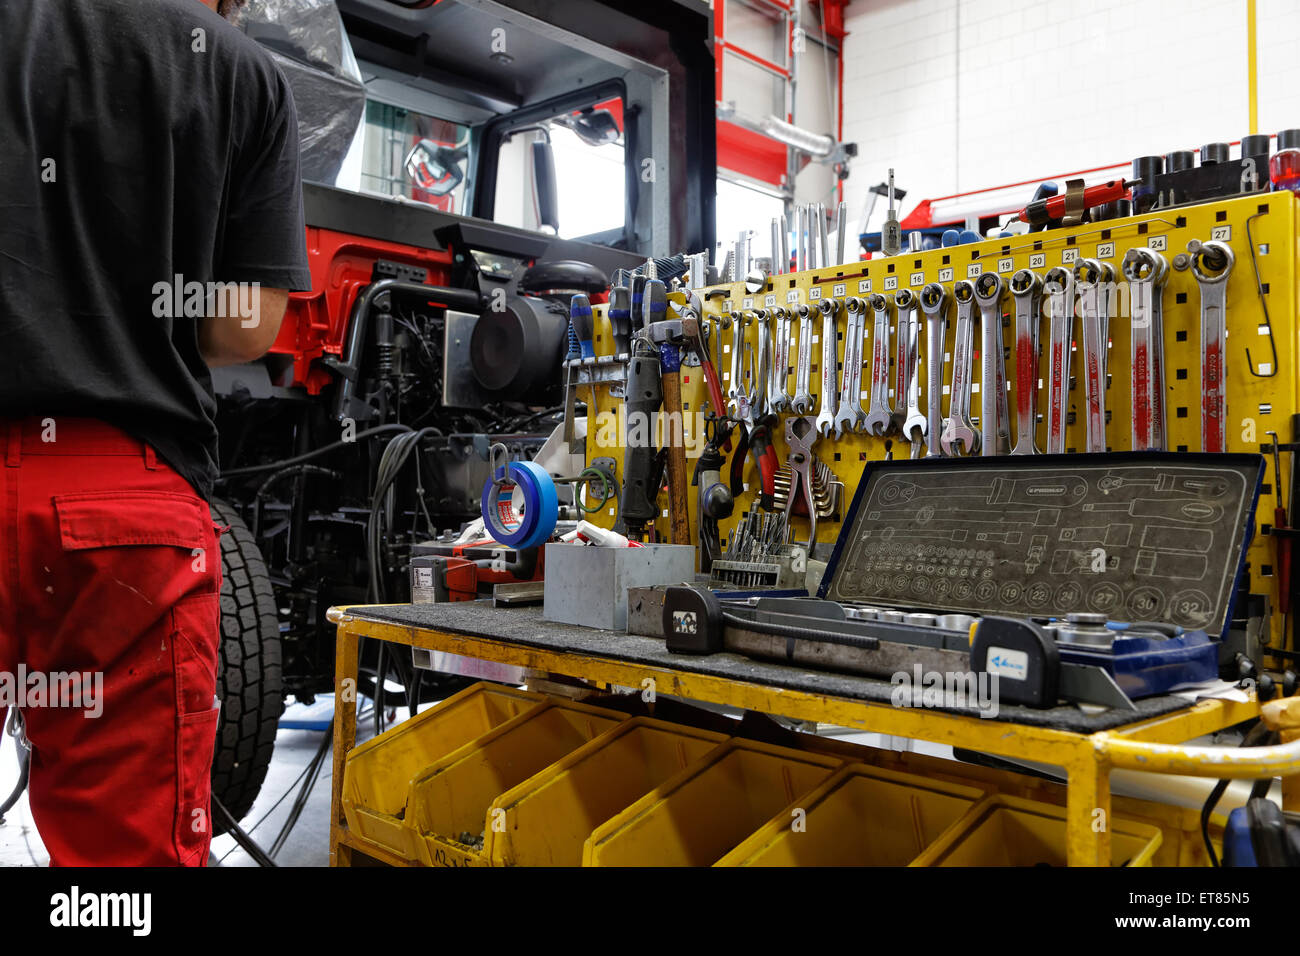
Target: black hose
(1257,736)
(316,453)
(243,839)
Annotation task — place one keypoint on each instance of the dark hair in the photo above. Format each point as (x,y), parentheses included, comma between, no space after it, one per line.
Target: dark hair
(228,8)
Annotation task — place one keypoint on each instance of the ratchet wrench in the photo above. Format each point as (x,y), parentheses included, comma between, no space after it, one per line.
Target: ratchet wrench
(879,415)
(826,414)
(993,392)
(1026,289)
(802,403)
(1059,288)
(959,435)
(1090,277)
(934,303)
(850,416)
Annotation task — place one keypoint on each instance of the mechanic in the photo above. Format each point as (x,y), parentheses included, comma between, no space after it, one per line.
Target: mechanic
(150,149)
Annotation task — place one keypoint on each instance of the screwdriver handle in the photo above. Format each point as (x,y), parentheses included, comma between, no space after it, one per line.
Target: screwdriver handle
(583,324)
(620,318)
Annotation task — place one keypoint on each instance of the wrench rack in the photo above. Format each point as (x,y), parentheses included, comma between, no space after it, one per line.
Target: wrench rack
(1263,392)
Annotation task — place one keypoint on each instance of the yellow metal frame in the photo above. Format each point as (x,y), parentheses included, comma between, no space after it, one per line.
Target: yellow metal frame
(1255,405)
(1150,745)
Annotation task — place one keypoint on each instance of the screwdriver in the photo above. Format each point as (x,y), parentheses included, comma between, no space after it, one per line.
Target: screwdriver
(620,318)
(583,327)
(1049,209)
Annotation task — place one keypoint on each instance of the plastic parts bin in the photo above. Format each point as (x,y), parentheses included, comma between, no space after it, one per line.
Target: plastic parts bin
(377,774)
(705,811)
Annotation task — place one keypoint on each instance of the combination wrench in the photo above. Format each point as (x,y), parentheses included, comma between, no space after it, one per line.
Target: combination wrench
(959,435)
(802,403)
(1090,278)
(826,415)
(879,415)
(934,303)
(904,302)
(1026,290)
(913,425)
(993,389)
(850,416)
(1146,272)
(1214,333)
(1059,289)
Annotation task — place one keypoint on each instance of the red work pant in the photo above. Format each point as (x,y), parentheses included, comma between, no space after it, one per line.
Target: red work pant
(110,566)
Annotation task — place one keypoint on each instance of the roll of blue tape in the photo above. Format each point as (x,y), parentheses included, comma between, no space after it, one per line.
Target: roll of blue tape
(527,526)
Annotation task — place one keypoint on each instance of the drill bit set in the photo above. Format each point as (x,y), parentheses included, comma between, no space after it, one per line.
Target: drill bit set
(759,557)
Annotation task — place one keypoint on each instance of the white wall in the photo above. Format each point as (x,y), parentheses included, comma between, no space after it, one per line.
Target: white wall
(964,95)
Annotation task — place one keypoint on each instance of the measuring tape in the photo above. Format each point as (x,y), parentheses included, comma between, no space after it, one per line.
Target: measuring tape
(525,527)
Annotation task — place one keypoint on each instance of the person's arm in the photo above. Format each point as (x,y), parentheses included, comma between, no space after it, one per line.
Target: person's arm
(242,331)
(264,255)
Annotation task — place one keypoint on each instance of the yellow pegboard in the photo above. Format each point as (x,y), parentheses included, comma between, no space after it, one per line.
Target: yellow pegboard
(1256,404)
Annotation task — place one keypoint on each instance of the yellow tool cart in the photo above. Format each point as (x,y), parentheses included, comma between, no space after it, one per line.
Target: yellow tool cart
(606,660)
(624,783)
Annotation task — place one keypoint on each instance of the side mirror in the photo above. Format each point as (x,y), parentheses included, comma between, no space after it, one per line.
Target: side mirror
(434,168)
(594,127)
(544,188)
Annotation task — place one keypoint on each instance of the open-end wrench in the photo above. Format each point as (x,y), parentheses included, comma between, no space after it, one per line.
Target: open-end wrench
(1059,289)
(826,414)
(737,397)
(914,424)
(762,402)
(959,435)
(1146,272)
(778,396)
(849,416)
(934,303)
(993,392)
(1026,289)
(1214,333)
(879,415)
(1089,278)
(802,403)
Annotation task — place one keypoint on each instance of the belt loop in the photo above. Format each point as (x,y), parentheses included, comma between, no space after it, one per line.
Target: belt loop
(14,444)
(150,459)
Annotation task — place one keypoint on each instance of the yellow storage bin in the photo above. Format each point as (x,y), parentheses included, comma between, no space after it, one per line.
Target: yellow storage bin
(545,820)
(705,811)
(1009,831)
(452,797)
(377,774)
(862,816)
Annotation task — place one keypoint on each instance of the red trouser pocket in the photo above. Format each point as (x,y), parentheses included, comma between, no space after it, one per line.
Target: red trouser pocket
(124,584)
(196,624)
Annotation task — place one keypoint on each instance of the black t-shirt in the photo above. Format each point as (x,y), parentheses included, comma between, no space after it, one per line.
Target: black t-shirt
(148,149)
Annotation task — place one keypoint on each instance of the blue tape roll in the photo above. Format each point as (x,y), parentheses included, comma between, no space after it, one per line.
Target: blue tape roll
(533,524)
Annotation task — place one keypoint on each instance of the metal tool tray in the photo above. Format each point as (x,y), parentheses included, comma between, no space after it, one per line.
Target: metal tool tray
(1137,536)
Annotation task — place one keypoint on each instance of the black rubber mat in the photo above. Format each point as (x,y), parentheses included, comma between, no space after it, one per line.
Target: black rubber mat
(525,626)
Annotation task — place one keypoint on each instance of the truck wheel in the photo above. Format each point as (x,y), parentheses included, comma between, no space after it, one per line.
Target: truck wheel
(248,669)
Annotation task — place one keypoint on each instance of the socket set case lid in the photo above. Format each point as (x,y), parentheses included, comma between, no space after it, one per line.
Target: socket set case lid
(1137,536)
